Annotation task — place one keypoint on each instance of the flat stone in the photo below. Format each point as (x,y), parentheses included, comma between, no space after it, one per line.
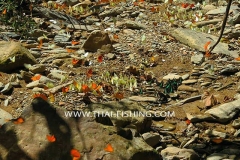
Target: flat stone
(222,10)
(187,88)
(197,40)
(190,81)
(171,76)
(143,99)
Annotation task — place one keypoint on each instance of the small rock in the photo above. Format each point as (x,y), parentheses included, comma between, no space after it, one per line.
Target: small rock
(179,153)
(236,123)
(111,56)
(6,88)
(4,117)
(171,76)
(185,76)
(38,68)
(197,58)
(151,139)
(35,84)
(215,133)
(229,70)
(97,40)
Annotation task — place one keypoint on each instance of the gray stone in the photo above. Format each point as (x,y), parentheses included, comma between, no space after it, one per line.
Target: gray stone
(178,153)
(97,40)
(185,76)
(6,88)
(82,133)
(13,56)
(152,139)
(171,76)
(197,40)
(224,112)
(131,25)
(187,88)
(38,68)
(143,99)
(222,10)
(218,156)
(4,117)
(236,123)
(215,133)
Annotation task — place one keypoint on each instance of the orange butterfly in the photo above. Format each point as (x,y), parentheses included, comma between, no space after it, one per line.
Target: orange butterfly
(118,95)
(40,43)
(185,5)
(100,58)
(206,45)
(115,36)
(109,148)
(70,50)
(65,89)
(74,61)
(18,120)
(207,54)
(39,95)
(37,77)
(74,42)
(4,11)
(89,73)
(85,88)
(238,59)
(188,122)
(51,138)
(75,154)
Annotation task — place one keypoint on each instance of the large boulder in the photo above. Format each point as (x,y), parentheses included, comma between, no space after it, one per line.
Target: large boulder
(28,140)
(13,56)
(98,40)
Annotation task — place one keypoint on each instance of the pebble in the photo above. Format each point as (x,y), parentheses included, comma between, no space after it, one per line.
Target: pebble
(236,123)
(171,76)
(151,139)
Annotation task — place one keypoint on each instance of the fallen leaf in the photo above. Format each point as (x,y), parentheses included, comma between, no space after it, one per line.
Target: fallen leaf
(75,153)
(109,148)
(100,58)
(206,45)
(18,120)
(89,73)
(36,77)
(185,5)
(51,138)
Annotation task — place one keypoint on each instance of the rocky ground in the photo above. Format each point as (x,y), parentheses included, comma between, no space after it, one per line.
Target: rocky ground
(126,57)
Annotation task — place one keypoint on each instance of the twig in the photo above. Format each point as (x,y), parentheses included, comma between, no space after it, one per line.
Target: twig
(223,26)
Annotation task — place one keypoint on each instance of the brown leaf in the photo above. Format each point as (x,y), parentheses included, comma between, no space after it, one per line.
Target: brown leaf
(210,101)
